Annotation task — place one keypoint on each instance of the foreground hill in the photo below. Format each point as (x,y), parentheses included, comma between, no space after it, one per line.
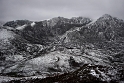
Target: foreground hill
(86,74)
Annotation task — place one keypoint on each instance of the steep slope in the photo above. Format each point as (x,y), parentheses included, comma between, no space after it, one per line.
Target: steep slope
(107,30)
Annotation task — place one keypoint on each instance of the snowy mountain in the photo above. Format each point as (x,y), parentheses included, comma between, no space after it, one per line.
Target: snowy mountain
(61,46)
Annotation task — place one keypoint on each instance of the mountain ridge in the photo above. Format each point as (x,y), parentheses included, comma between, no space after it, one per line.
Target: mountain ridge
(60,45)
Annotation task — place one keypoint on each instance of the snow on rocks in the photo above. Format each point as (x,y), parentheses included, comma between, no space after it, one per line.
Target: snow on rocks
(21,27)
(32,24)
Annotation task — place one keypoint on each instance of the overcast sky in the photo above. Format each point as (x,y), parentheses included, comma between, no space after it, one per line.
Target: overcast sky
(45,9)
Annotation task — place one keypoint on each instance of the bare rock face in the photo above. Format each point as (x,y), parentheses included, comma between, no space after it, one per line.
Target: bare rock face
(76,50)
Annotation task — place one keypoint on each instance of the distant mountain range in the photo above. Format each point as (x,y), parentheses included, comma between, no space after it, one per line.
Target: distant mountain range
(76,50)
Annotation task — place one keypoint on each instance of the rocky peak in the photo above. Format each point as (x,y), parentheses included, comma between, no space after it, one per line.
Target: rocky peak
(107,26)
(105,29)
(106,16)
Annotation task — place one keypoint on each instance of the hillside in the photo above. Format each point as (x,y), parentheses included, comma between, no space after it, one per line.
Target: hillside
(67,50)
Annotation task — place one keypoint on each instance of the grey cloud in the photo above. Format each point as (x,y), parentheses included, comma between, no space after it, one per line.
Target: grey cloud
(45,9)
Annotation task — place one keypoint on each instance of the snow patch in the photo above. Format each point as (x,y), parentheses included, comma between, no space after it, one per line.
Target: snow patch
(21,27)
(93,72)
(32,24)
